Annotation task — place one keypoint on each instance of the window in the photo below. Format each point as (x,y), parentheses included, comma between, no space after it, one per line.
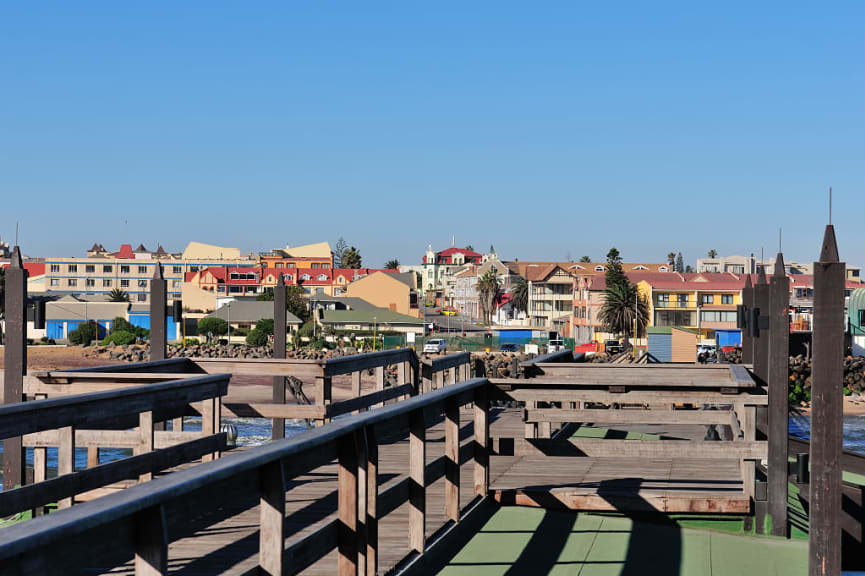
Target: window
(682,299)
(72,268)
(55,267)
(142,269)
(124,269)
(72,282)
(106,283)
(289,265)
(675,318)
(177,283)
(726,298)
(717,316)
(322,277)
(663,297)
(319,290)
(90,282)
(141,297)
(124,283)
(54,282)
(663,269)
(235,289)
(288,277)
(707,298)
(89,269)
(193,268)
(316,265)
(280,265)
(325,266)
(107,269)
(177,269)
(142,283)
(861,317)
(304,276)
(599,268)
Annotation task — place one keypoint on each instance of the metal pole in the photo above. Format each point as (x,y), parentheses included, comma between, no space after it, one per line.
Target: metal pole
(229,323)
(824,539)
(279,330)
(15,363)
(157,314)
(779,373)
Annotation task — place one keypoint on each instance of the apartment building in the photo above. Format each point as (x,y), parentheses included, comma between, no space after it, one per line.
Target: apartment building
(309,256)
(439,267)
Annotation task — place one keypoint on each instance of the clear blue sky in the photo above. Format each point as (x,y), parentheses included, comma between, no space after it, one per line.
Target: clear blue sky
(547,128)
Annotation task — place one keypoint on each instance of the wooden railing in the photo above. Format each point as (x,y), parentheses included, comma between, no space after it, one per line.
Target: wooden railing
(102,420)
(138,521)
(453,367)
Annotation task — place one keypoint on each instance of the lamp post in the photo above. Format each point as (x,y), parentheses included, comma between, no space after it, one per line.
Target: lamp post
(229,322)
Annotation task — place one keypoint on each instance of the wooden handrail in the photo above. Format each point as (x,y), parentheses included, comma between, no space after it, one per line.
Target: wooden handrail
(137,516)
(357,362)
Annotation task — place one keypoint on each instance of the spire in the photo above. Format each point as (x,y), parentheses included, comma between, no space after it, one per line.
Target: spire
(779,265)
(16,261)
(829,250)
(747,280)
(761,274)
(157,272)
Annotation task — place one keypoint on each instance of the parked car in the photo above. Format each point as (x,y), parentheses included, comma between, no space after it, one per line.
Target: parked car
(449,312)
(509,347)
(612,346)
(435,346)
(555,346)
(706,349)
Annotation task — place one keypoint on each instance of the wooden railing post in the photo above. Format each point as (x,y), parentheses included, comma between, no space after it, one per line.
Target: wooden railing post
(371,522)
(417,481)
(15,363)
(749,429)
(439,380)
(66,458)
(348,507)
(356,383)
(452,375)
(271,544)
(778,381)
(452,460)
(467,370)
(279,330)
(40,471)
(748,303)
(481,442)
(151,542)
(322,395)
(158,302)
(362,498)
(145,439)
(379,381)
(210,409)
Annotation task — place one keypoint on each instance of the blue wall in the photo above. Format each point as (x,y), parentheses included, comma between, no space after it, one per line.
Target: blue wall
(728,338)
(142,320)
(661,347)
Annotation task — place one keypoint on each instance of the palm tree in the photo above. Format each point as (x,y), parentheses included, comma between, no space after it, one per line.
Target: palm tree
(392,264)
(671,258)
(713,253)
(118,295)
(488,292)
(617,313)
(585,259)
(520,294)
(351,258)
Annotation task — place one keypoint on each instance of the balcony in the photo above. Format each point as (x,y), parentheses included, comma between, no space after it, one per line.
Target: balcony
(676,304)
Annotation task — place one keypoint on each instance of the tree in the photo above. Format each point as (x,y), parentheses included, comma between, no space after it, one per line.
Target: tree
(520,294)
(689,269)
(615,275)
(295,302)
(118,295)
(488,292)
(264,325)
(392,264)
(84,334)
(212,325)
(338,252)
(680,263)
(585,259)
(713,253)
(351,259)
(120,324)
(671,258)
(617,313)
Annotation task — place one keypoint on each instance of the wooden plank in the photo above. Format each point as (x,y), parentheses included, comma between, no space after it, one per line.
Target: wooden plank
(481,443)
(644,375)
(450,361)
(530,393)
(609,416)
(597,447)
(379,380)
(109,438)
(750,434)
(359,438)
(356,384)
(306,551)
(717,504)
(372,542)
(417,482)
(271,541)
(357,362)
(367,400)
(261,410)
(347,531)
(151,542)
(298,368)
(66,458)
(452,465)
(145,440)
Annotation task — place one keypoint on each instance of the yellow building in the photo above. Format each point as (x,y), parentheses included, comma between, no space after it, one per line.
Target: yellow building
(394,292)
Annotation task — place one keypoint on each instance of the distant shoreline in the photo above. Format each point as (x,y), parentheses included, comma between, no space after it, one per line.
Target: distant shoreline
(853,405)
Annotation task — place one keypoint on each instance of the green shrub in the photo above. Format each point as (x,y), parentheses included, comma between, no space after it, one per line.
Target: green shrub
(84,334)
(190,341)
(119,338)
(240,331)
(216,326)
(265,325)
(257,338)
(120,324)
(306,330)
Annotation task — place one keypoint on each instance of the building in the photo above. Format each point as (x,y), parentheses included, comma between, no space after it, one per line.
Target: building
(131,270)
(370,321)
(437,267)
(64,315)
(551,302)
(394,292)
(244,313)
(310,256)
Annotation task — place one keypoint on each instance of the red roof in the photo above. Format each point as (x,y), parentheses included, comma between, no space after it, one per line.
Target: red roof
(125,251)
(446,256)
(313,274)
(35,268)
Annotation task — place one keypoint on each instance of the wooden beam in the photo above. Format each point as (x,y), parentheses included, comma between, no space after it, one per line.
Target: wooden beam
(260,367)
(452,464)
(146,441)
(779,403)
(109,438)
(628,416)
(599,447)
(354,363)
(347,498)
(271,542)
(151,542)
(481,442)
(371,501)
(367,400)
(359,438)
(286,411)
(66,458)
(530,393)
(379,380)
(730,503)
(417,482)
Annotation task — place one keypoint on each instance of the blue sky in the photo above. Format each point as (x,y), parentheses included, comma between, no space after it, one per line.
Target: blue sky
(548,129)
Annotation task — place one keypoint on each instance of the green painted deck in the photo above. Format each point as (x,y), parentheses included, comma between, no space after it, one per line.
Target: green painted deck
(532,541)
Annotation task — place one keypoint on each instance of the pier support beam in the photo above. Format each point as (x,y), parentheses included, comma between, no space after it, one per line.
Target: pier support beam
(15,363)
(279,330)
(747,339)
(779,378)
(824,540)
(157,314)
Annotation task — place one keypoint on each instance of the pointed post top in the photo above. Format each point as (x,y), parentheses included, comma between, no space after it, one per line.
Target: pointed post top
(16,260)
(157,273)
(761,275)
(779,266)
(829,250)
(747,280)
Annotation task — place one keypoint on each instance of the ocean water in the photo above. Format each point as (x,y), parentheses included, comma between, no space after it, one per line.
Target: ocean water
(854,430)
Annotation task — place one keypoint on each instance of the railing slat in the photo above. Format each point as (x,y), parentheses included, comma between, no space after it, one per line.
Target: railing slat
(151,542)
(348,507)
(452,457)
(271,544)
(417,481)
(482,442)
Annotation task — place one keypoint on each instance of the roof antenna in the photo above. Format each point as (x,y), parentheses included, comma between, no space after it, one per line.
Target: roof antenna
(16,232)
(830,205)
(780,232)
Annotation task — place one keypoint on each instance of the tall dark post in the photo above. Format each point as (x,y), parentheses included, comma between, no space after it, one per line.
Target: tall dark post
(15,363)
(761,342)
(279,329)
(747,340)
(157,314)
(779,378)
(827,373)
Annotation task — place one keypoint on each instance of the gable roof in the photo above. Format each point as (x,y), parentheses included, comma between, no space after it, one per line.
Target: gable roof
(250,311)
(378,315)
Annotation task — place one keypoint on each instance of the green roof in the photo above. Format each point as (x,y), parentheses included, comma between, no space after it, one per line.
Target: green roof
(378,315)
(659,330)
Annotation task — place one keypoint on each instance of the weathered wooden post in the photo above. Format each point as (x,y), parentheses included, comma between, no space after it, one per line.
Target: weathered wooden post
(827,373)
(747,339)
(761,336)
(157,314)
(15,363)
(279,330)
(779,366)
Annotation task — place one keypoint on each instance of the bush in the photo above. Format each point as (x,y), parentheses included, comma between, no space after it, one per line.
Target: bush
(265,325)
(257,338)
(240,332)
(84,334)
(216,326)
(120,324)
(190,342)
(119,338)
(306,330)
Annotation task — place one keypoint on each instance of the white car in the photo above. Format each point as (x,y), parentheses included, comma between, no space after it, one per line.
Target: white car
(435,346)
